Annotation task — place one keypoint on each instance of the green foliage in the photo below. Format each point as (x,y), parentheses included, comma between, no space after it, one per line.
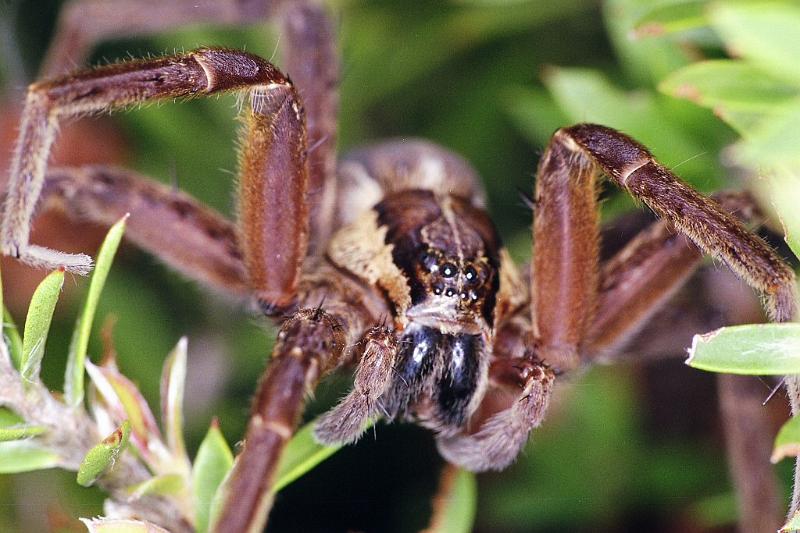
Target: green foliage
(37,324)
(213,462)
(102,457)
(755,349)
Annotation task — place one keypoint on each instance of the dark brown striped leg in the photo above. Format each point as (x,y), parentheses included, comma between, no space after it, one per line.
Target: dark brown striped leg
(641,277)
(309,345)
(566,254)
(191,238)
(631,166)
(308,50)
(345,423)
(273,167)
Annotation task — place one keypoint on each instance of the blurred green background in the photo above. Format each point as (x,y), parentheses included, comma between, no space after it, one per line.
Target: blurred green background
(625,448)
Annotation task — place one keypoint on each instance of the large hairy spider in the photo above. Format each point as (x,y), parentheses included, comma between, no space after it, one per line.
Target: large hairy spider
(386,260)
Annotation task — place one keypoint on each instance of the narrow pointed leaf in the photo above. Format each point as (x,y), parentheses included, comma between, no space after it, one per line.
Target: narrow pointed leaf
(663,19)
(213,462)
(118,525)
(787,443)
(125,401)
(173,379)
(12,338)
(754,349)
(456,502)
(25,456)
(102,457)
(73,382)
(18,432)
(165,485)
(37,324)
(9,418)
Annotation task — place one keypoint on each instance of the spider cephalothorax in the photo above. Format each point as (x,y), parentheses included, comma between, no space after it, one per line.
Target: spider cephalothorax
(386,260)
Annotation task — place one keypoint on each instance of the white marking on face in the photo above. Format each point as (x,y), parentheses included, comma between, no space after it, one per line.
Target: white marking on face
(420,350)
(458,355)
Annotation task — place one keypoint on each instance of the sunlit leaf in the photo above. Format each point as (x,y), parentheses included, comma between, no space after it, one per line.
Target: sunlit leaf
(781,187)
(117,525)
(751,349)
(774,141)
(173,379)
(213,462)
(665,18)
(164,485)
(766,33)
(37,324)
(25,456)
(73,382)
(20,432)
(102,457)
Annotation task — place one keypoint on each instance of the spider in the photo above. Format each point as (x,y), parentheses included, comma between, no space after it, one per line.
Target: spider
(386,260)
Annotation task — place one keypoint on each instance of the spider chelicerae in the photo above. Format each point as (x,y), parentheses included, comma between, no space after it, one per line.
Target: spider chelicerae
(386,259)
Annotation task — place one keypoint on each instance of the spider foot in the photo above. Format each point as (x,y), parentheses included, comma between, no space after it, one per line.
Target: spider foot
(501,438)
(47,259)
(345,423)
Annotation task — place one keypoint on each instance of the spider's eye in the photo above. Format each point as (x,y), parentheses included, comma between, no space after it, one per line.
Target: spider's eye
(437,289)
(428,261)
(448,270)
(450,292)
(470,273)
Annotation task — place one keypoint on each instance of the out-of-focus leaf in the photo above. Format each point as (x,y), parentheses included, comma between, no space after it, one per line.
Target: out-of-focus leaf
(117,525)
(782,189)
(9,433)
(73,380)
(173,379)
(735,85)
(37,324)
(716,511)
(753,349)
(213,462)
(125,401)
(14,341)
(766,33)
(455,504)
(787,443)
(102,457)
(165,485)
(663,19)
(25,456)
(773,142)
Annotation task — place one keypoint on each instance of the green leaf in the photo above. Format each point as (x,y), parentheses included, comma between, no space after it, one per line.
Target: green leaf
(773,142)
(9,418)
(173,379)
(73,382)
(213,462)
(729,85)
(754,349)
(102,457)
(14,341)
(765,32)
(37,324)
(18,432)
(164,485)
(455,508)
(792,525)
(787,443)
(119,525)
(302,454)
(25,456)
(662,19)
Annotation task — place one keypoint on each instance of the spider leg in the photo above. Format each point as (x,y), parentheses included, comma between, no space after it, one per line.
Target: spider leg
(310,344)
(631,166)
(188,236)
(273,241)
(308,46)
(345,423)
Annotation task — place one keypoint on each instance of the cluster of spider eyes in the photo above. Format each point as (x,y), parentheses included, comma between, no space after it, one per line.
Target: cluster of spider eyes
(449,270)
